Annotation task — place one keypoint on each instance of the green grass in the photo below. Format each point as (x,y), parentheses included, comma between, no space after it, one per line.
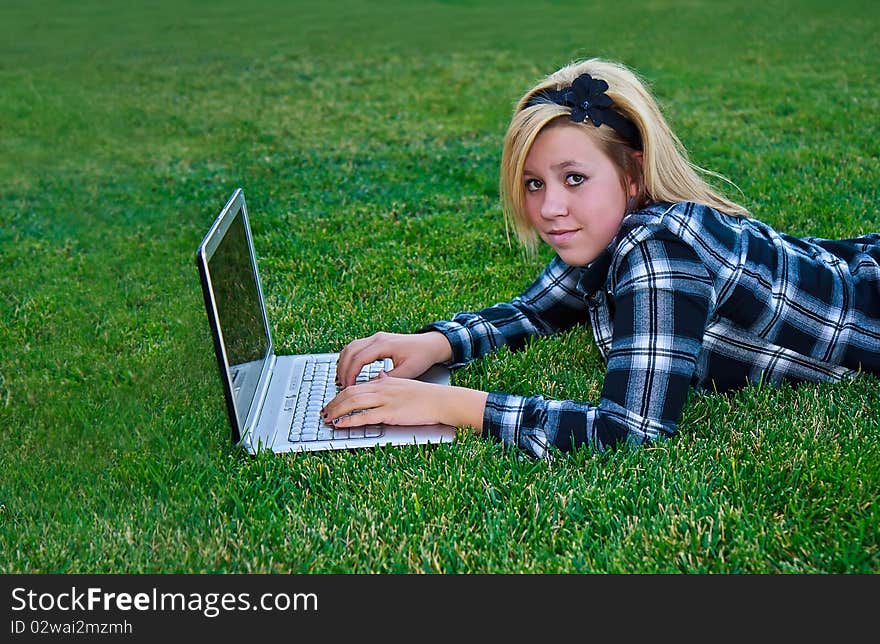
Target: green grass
(367,136)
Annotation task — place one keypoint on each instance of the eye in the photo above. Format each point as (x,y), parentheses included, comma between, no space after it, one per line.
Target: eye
(533,185)
(574,179)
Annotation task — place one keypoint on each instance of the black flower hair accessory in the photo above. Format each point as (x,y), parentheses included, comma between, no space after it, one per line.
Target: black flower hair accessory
(587,99)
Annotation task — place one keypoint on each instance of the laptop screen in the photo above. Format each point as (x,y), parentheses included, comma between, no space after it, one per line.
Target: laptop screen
(240,312)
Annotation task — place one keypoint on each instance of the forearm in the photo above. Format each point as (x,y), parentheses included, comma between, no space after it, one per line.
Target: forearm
(439,347)
(462,407)
(551,304)
(536,425)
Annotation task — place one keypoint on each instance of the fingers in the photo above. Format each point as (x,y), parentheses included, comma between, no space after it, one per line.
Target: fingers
(353,406)
(356,355)
(412,354)
(359,418)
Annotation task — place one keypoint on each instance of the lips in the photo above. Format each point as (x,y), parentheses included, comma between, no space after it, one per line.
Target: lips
(561,236)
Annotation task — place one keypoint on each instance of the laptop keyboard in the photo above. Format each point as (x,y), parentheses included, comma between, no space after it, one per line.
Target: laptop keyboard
(317,388)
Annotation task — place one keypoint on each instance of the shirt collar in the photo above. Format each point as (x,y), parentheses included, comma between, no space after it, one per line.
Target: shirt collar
(595,274)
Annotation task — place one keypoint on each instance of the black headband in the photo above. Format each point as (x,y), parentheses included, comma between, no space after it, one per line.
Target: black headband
(587,98)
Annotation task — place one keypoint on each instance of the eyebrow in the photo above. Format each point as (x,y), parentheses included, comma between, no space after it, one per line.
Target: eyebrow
(562,165)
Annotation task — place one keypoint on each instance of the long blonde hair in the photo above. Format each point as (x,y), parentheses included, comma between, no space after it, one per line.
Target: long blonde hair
(664,175)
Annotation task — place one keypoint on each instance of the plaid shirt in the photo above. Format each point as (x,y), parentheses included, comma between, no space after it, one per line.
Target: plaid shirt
(684,296)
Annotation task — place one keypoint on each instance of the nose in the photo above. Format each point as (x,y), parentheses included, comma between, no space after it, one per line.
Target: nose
(554,204)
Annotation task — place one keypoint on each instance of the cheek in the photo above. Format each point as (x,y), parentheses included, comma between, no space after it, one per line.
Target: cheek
(533,207)
(616,203)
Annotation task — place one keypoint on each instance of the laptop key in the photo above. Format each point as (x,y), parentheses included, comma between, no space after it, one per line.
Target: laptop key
(373,431)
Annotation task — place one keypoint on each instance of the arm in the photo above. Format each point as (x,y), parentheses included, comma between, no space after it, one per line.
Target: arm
(551,304)
(663,296)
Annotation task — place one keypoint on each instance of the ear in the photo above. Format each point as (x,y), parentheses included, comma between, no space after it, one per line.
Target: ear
(634,182)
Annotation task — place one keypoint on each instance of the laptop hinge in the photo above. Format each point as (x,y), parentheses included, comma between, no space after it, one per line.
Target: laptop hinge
(252,423)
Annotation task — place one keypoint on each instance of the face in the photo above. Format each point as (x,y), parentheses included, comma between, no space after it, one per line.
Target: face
(574,195)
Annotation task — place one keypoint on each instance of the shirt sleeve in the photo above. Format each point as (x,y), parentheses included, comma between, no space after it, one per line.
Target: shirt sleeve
(551,304)
(661,297)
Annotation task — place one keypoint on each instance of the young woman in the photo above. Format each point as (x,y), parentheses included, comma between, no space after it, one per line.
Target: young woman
(682,288)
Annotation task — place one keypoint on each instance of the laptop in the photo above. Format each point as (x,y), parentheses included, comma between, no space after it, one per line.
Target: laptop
(272,401)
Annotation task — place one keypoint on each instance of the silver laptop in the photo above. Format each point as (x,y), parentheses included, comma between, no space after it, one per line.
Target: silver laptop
(273,402)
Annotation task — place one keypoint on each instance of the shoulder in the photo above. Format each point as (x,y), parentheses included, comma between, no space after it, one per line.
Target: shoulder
(705,230)
(674,246)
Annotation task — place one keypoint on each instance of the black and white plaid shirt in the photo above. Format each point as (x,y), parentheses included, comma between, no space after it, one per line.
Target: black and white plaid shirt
(684,296)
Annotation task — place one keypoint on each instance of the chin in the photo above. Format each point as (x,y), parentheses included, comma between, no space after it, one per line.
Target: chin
(574,257)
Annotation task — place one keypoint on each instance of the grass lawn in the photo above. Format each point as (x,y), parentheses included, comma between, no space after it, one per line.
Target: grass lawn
(367,137)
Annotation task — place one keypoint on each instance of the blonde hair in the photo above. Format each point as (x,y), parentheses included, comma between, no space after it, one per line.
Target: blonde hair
(664,175)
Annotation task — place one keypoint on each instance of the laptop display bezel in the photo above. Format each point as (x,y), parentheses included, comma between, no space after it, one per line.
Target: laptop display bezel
(234,207)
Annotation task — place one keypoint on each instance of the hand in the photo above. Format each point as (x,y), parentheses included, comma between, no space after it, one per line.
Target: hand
(400,401)
(386,400)
(412,354)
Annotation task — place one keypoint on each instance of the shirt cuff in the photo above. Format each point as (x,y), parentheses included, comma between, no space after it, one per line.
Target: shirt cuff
(458,338)
(516,421)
